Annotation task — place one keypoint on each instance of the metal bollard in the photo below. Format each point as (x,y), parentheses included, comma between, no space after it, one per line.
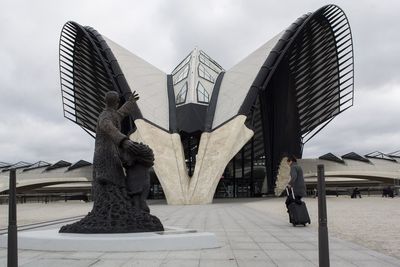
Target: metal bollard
(323,241)
(12,249)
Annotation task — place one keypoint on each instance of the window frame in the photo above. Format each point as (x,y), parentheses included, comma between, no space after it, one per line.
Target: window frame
(176,97)
(197,93)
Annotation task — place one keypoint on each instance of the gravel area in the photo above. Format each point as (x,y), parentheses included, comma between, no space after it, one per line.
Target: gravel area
(373,222)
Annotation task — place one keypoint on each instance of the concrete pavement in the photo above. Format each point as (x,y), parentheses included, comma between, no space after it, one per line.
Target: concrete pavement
(247,237)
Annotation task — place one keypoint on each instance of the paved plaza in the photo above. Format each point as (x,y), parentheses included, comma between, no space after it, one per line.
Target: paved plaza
(250,232)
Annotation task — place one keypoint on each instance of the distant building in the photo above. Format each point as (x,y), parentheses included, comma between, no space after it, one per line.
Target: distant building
(371,172)
(206,123)
(352,169)
(44,178)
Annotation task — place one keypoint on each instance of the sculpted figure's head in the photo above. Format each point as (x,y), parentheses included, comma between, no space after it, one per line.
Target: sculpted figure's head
(112,100)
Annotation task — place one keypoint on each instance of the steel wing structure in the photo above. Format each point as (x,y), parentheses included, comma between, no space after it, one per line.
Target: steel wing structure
(204,122)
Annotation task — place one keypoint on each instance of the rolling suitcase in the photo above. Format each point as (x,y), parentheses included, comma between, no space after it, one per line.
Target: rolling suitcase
(298,213)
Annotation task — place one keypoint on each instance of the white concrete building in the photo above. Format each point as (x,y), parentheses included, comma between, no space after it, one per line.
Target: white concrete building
(205,123)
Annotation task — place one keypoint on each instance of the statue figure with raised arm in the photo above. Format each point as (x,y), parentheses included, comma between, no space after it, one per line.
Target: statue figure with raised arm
(119,199)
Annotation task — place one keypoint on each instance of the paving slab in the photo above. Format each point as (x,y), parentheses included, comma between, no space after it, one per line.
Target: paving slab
(247,236)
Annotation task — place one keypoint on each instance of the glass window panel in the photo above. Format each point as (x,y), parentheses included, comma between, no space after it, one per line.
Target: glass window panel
(203,73)
(182,74)
(181,65)
(202,94)
(181,96)
(209,62)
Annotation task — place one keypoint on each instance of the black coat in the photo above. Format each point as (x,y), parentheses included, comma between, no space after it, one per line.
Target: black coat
(297,180)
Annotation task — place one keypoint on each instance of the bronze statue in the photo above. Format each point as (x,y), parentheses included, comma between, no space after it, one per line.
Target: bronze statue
(119,200)
(137,162)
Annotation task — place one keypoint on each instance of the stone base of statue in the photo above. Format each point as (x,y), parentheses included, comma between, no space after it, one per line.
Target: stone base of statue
(114,212)
(168,240)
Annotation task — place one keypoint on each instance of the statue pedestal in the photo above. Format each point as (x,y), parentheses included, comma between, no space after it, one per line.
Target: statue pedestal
(170,239)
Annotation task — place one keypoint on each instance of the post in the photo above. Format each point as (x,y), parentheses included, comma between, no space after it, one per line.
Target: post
(323,241)
(252,189)
(12,249)
(234,176)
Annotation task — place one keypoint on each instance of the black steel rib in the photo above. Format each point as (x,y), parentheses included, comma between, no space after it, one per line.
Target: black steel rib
(88,70)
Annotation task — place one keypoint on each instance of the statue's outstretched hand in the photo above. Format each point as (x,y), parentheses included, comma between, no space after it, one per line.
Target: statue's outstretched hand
(146,156)
(137,148)
(128,145)
(134,97)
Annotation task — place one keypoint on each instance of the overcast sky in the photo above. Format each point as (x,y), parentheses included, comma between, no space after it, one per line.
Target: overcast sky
(32,126)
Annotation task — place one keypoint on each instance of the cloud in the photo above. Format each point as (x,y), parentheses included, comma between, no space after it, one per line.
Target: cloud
(368,126)
(31,138)
(32,126)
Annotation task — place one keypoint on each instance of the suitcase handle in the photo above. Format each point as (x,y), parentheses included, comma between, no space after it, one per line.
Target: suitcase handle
(287,192)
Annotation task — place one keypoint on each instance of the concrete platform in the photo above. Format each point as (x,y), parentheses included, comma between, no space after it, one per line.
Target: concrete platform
(170,239)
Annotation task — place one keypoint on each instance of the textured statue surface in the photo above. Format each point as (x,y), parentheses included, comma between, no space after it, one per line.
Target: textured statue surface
(119,196)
